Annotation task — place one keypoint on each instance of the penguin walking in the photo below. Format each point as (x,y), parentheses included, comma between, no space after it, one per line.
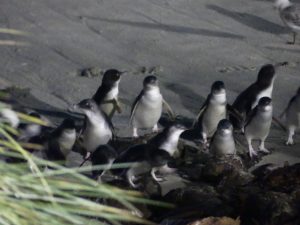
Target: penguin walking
(104,155)
(212,111)
(106,96)
(248,99)
(258,125)
(147,107)
(222,142)
(61,141)
(98,129)
(144,159)
(292,117)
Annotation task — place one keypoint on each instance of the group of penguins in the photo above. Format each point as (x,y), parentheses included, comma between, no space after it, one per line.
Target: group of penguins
(215,126)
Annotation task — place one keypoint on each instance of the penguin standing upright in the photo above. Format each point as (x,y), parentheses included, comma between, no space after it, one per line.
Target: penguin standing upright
(292,117)
(106,96)
(212,111)
(61,141)
(248,99)
(98,128)
(258,124)
(222,142)
(147,107)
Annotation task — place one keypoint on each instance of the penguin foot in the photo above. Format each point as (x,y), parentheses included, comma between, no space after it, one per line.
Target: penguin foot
(155,129)
(157,179)
(252,153)
(264,150)
(87,156)
(134,133)
(131,181)
(289,142)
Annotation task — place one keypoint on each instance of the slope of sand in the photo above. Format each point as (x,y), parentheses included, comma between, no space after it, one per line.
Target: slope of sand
(190,43)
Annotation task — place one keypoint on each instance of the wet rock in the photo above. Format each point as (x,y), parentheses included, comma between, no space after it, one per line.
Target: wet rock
(196,201)
(268,208)
(216,169)
(283,179)
(217,221)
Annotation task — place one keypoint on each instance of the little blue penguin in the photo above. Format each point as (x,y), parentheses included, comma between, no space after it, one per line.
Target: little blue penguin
(292,116)
(144,159)
(147,107)
(61,141)
(106,96)
(98,128)
(258,124)
(104,155)
(248,99)
(212,111)
(222,142)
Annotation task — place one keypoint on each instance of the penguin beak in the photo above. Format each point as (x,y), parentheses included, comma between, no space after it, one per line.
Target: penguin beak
(123,72)
(73,108)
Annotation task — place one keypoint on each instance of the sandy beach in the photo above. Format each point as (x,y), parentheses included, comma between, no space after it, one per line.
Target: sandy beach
(188,43)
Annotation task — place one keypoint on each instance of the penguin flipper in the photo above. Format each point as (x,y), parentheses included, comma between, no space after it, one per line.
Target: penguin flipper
(231,110)
(53,152)
(202,109)
(288,106)
(117,105)
(250,116)
(169,109)
(135,104)
(278,123)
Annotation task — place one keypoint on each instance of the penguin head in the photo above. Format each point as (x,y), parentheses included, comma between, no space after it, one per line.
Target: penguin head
(176,128)
(266,75)
(224,127)
(112,76)
(265,104)
(218,87)
(87,105)
(68,124)
(150,82)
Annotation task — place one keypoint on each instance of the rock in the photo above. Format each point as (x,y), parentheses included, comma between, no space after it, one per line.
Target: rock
(215,169)
(216,221)
(91,72)
(283,179)
(268,208)
(194,202)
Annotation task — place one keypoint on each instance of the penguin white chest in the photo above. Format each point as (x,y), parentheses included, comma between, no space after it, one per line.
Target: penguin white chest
(109,107)
(113,93)
(259,126)
(95,136)
(170,144)
(66,141)
(148,110)
(223,145)
(211,118)
(97,132)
